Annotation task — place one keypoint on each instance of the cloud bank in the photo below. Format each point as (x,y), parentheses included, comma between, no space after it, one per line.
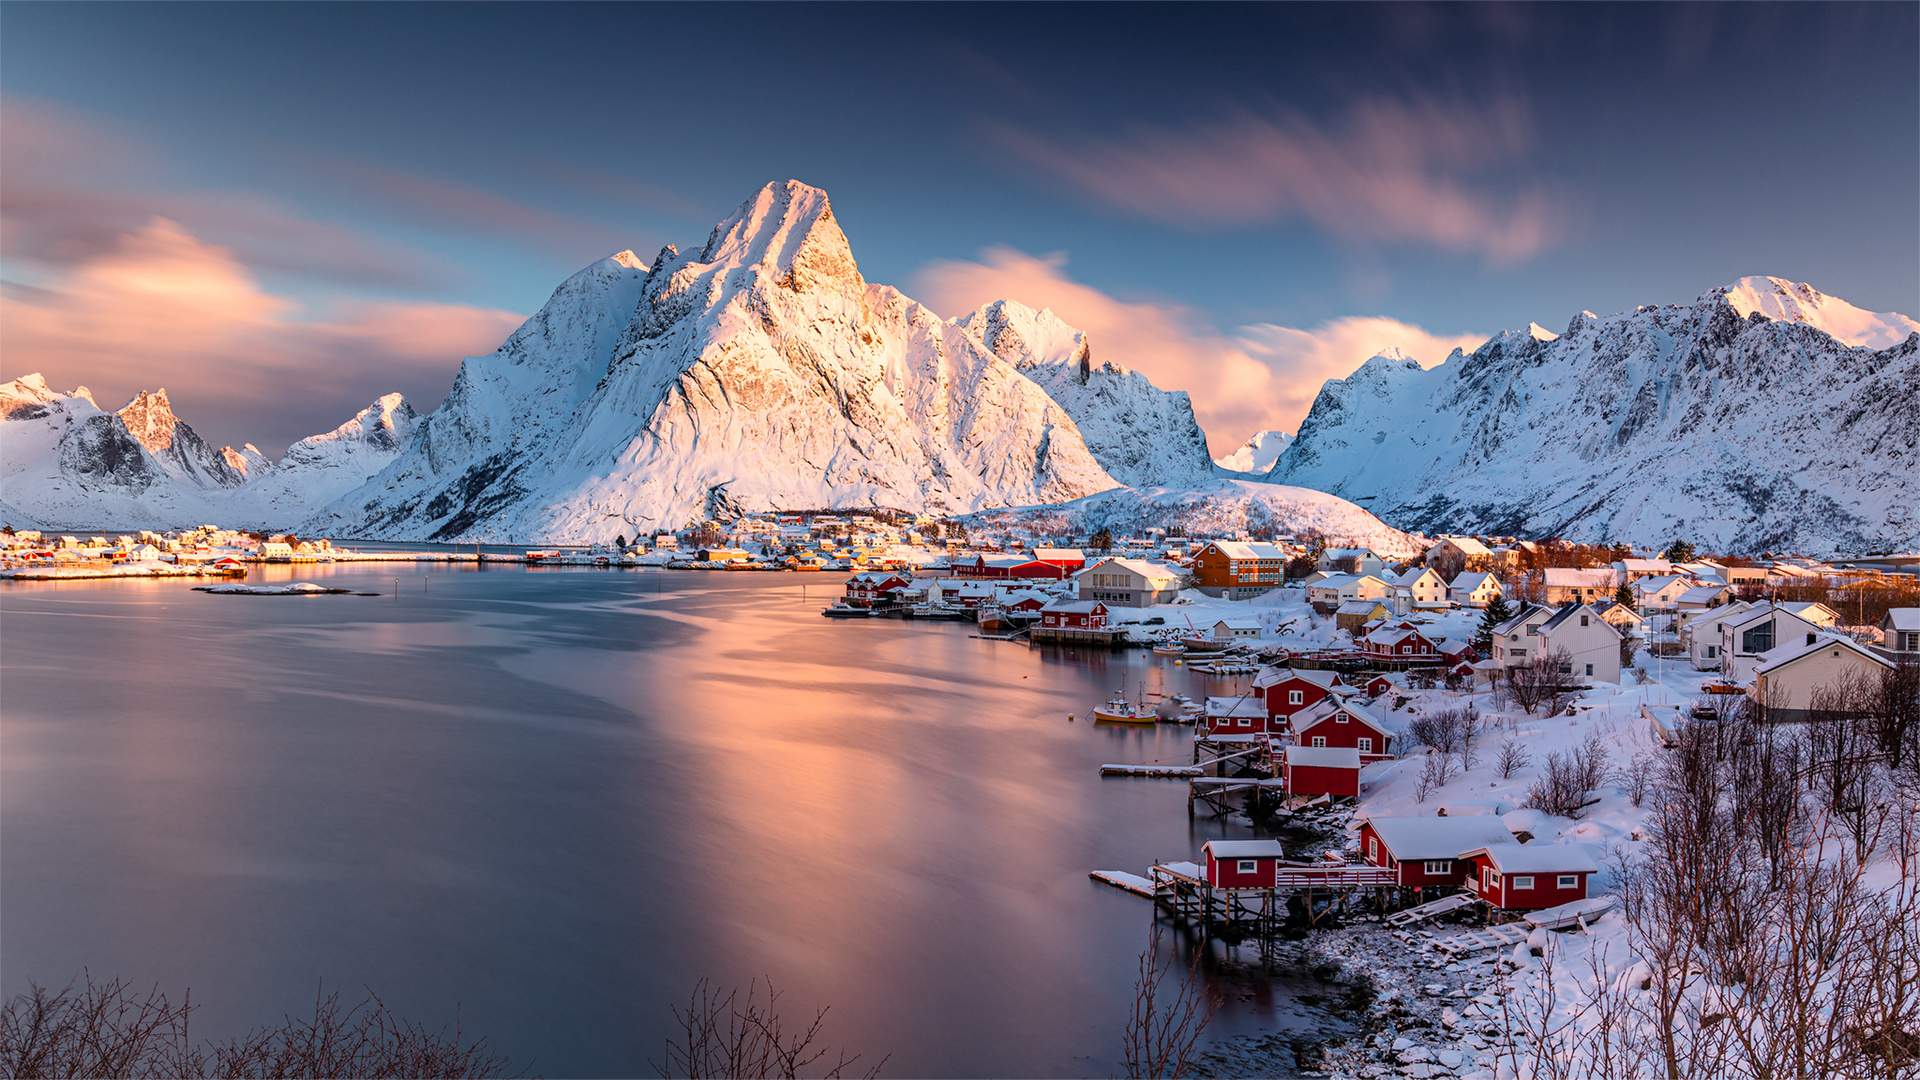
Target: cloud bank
(1259,377)
(161,307)
(1386,172)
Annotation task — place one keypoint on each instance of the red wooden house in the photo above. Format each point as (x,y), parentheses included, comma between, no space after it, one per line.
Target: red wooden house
(1003,567)
(1074,615)
(1429,852)
(1341,724)
(1378,685)
(1399,641)
(1321,770)
(873,587)
(1290,690)
(1239,716)
(1528,877)
(1241,864)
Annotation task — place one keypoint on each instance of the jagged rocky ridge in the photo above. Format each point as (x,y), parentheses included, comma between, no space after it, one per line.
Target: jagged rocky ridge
(761,373)
(1258,454)
(65,462)
(1711,421)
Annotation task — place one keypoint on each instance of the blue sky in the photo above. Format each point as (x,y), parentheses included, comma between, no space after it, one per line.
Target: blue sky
(377,189)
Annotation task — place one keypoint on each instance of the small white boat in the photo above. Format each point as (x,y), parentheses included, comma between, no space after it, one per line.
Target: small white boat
(1121,711)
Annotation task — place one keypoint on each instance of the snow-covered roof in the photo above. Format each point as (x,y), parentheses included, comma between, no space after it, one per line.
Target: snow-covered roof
(1358,607)
(1412,576)
(1320,710)
(1059,555)
(1149,570)
(1614,609)
(1420,838)
(1800,648)
(1466,545)
(1350,553)
(1904,619)
(1326,680)
(1323,757)
(1567,577)
(1073,607)
(1236,707)
(1528,613)
(1564,617)
(1238,624)
(1701,594)
(1239,549)
(1472,580)
(1244,849)
(1643,566)
(1511,858)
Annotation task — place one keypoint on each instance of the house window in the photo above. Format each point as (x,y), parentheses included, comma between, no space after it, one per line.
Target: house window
(1366,745)
(1319,740)
(1567,669)
(1246,721)
(1248,866)
(1583,620)
(1294,697)
(1567,881)
(1491,876)
(1339,718)
(1712,650)
(1373,849)
(1439,866)
(1589,669)
(1523,882)
(1516,652)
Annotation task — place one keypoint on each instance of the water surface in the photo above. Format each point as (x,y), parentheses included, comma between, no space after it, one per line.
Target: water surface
(557,798)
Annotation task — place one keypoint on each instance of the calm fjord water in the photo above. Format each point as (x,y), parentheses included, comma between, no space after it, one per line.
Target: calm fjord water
(557,798)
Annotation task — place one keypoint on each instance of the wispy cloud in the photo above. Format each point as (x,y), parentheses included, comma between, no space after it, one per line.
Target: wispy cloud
(1386,172)
(1255,378)
(162,307)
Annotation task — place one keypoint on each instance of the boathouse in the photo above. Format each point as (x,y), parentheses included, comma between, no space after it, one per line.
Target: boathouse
(1242,864)
(1321,770)
(1527,877)
(1237,716)
(1340,724)
(1290,690)
(1074,615)
(1429,852)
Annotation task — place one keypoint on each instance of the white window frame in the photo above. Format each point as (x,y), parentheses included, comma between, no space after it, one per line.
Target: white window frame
(1296,697)
(1523,881)
(1319,740)
(1246,721)
(1373,849)
(1340,718)
(1247,866)
(1366,744)
(1568,881)
(1438,866)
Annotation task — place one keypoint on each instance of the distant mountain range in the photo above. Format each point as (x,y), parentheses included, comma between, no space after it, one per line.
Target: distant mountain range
(763,372)
(1763,416)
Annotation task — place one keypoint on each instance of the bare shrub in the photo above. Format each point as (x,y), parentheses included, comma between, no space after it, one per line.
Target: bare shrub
(110,1029)
(1435,770)
(1562,787)
(728,1035)
(1163,1037)
(1640,676)
(1512,757)
(1637,778)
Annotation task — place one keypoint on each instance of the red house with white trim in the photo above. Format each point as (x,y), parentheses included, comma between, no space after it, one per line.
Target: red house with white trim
(1074,615)
(1003,567)
(1528,877)
(1399,641)
(1239,716)
(1241,864)
(1291,690)
(1321,770)
(1341,724)
(873,587)
(1429,852)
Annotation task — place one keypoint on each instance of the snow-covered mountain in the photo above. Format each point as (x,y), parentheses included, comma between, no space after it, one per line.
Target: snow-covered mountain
(1214,508)
(1257,454)
(1140,434)
(761,373)
(66,463)
(1715,422)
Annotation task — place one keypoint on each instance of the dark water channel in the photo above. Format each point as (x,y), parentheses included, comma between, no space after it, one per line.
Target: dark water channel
(557,798)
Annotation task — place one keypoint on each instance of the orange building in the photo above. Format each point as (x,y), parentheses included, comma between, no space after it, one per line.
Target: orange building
(1236,571)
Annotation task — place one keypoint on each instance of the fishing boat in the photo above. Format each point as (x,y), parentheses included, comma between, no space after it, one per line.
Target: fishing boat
(1169,650)
(847,611)
(1121,711)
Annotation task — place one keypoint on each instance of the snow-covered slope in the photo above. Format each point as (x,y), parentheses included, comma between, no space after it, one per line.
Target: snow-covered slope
(179,450)
(67,464)
(1140,434)
(1794,302)
(1257,454)
(1217,508)
(1740,432)
(763,372)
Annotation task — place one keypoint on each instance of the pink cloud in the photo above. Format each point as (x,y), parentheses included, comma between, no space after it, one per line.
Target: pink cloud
(165,308)
(1387,173)
(1260,377)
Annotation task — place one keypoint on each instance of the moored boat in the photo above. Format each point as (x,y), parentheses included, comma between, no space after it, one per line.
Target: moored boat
(1121,711)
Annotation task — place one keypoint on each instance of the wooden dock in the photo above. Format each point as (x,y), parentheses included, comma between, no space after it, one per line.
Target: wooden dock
(1162,771)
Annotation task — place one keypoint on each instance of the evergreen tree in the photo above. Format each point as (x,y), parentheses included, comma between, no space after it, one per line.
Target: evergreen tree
(1679,551)
(1624,597)
(1498,611)
(620,541)
(1103,540)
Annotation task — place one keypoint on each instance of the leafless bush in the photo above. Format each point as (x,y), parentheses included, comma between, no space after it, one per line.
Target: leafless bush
(728,1035)
(1637,778)
(1435,770)
(1163,1038)
(1449,731)
(1526,686)
(111,1029)
(1895,714)
(1512,757)
(1640,676)
(1562,787)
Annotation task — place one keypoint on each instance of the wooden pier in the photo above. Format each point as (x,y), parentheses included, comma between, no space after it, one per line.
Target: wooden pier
(1181,891)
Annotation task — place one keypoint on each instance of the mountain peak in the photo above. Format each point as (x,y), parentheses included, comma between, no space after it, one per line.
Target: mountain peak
(627,259)
(149,418)
(1794,301)
(788,227)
